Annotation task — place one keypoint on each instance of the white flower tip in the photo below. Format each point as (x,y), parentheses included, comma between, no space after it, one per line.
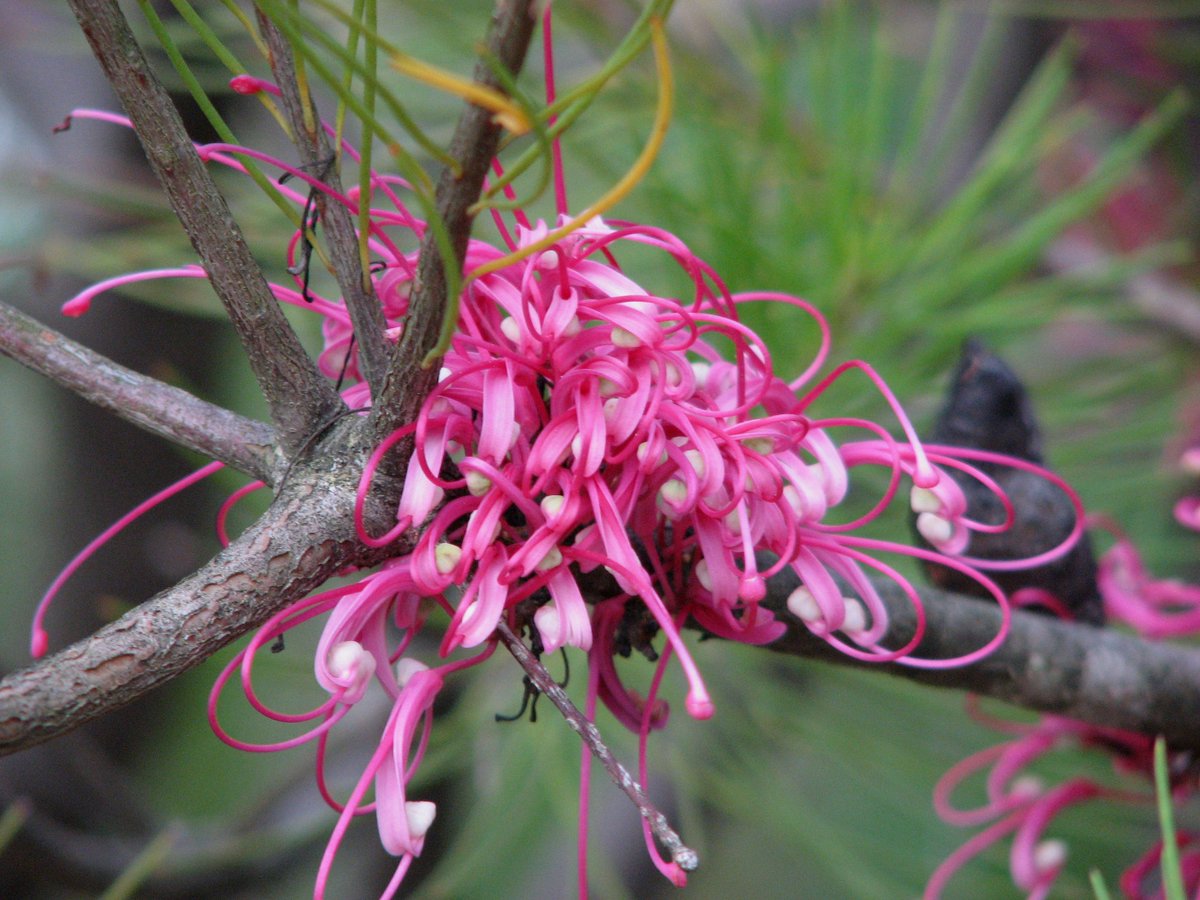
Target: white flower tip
(511,329)
(406,668)
(934,528)
(478,484)
(551,504)
(762,445)
(551,560)
(673,491)
(1049,855)
(923,500)
(446,557)
(696,459)
(549,623)
(643,451)
(548,260)
(420,815)
(627,339)
(703,575)
(1027,786)
(855,620)
(803,605)
(347,657)
(700,372)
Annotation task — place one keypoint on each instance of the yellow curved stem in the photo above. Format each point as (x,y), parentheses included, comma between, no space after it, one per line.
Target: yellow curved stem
(662,119)
(508,114)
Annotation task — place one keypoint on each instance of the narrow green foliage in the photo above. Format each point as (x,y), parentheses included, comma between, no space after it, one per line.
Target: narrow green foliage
(12,820)
(1172,874)
(839,189)
(211,39)
(247,25)
(1098,886)
(571,104)
(1018,251)
(210,111)
(542,144)
(305,36)
(143,866)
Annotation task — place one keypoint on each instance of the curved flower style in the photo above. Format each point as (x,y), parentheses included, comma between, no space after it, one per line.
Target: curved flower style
(1019,805)
(1187,509)
(1154,607)
(1134,881)
(1022,807)
(593,468)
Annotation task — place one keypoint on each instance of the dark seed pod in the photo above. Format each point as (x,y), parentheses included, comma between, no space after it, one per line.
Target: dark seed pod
(988,408)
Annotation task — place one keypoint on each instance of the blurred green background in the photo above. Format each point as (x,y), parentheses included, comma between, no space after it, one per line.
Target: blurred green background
(921,172)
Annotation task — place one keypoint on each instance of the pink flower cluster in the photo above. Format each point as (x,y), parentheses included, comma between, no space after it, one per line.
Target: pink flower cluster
(589,438)
(1021,807)
(591,450)
(588,447)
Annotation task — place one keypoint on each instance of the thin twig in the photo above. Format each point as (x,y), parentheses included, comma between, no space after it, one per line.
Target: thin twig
(473,146)
(317,157)
(305,538)
(1097,675)
(299,397)
(681,855)
(162,409)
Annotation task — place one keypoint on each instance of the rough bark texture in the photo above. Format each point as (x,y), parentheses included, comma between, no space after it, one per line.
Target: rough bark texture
(317,157)
(301,399)
(1096,675)
(305,538)
(244,444)
(474,144)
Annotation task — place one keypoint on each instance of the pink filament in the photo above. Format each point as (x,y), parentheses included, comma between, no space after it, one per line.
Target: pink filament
(40,639)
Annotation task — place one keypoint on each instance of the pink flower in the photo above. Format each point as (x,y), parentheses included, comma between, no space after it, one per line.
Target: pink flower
(590,468)
(1019,805)
(1156,608)
(1134,879)
(1187,510)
